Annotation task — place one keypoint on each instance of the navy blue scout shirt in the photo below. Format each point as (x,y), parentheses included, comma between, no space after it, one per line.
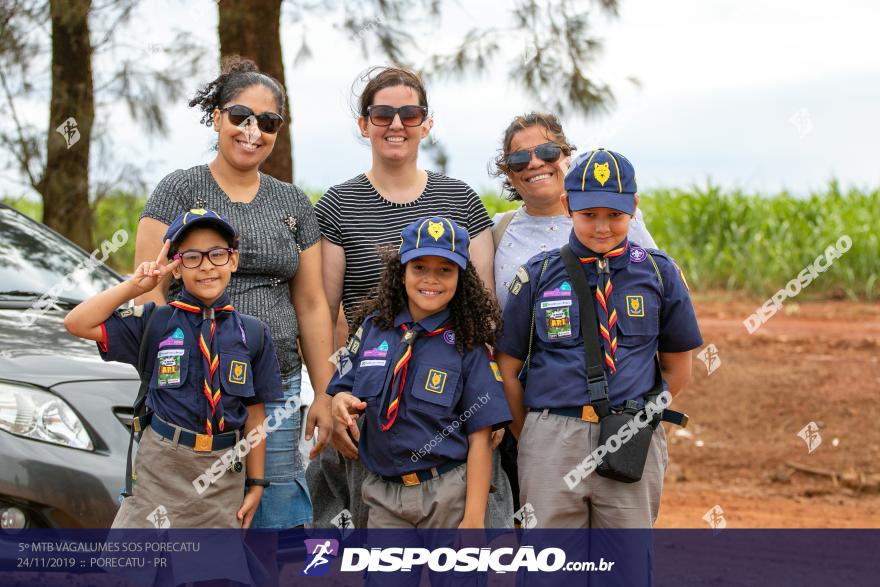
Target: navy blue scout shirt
(446,396)
(557,376)
(177,398)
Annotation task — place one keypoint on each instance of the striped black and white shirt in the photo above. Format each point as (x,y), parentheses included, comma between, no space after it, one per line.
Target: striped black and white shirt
(354,216)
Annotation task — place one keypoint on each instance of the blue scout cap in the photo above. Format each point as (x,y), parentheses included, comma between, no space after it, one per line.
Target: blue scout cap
(200,217)
(601,179)
(437,236)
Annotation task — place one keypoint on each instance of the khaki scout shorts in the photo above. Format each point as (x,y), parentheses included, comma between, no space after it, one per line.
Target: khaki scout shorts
(435,503)
(164,496)
(551,445)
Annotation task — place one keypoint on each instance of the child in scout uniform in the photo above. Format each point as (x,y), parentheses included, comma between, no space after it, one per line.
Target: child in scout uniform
(642,308)
(427,385)
(208,384)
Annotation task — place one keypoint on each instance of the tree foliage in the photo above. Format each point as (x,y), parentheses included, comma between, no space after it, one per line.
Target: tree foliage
(547,47)
(47,53)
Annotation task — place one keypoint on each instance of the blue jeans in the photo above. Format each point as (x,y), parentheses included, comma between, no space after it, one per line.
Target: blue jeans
(286,502)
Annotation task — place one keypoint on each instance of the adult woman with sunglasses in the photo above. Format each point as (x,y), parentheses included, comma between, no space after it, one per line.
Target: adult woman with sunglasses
(533,159)
(279,273)
(369,211)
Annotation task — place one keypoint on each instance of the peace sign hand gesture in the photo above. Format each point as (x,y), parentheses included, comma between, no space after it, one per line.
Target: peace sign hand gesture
(149,274)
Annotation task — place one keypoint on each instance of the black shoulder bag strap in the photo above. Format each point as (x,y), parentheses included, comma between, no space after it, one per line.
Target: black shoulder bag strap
(596,380)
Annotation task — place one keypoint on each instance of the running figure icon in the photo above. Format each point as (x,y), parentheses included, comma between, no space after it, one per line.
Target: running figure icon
(319,554)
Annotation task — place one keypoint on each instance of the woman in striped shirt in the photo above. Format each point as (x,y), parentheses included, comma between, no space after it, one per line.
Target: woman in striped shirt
(368,212)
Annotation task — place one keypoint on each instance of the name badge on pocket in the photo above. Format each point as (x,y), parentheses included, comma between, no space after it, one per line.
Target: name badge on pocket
(168,363)
(558,322)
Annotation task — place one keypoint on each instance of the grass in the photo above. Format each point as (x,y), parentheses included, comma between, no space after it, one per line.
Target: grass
(726,240)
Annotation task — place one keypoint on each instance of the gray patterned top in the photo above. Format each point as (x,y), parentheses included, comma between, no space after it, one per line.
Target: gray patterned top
(275,226)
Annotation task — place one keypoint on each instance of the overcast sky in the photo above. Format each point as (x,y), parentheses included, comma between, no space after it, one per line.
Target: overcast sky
(759,95)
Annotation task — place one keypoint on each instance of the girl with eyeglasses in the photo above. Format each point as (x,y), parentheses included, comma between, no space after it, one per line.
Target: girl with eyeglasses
(279,273)
(368,212)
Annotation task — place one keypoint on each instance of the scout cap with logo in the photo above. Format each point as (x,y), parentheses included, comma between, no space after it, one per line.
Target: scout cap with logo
(601,179)
(200,217)
(437,237)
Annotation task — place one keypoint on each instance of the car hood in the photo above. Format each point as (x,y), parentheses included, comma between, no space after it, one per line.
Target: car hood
(44,354)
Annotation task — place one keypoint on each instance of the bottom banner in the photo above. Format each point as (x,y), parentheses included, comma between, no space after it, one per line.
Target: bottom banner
(440,557)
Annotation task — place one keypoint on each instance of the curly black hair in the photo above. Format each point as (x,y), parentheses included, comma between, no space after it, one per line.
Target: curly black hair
(474,313)
(236,75)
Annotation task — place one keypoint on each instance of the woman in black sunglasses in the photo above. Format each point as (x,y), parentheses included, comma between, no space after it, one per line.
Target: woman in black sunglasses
(279,275)
(532,162)
(370,211)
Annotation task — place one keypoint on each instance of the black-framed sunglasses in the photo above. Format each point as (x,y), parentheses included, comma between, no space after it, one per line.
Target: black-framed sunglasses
(409,115)
(192,259)
(268,122)
(548,152)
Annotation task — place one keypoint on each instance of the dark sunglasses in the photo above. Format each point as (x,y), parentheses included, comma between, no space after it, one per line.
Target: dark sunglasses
(268,122)
(409,115)
(548,152)
(192,259)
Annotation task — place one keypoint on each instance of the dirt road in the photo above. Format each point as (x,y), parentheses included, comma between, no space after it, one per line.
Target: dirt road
(812,362)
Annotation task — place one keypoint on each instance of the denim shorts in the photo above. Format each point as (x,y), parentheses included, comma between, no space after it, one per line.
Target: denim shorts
(286,502)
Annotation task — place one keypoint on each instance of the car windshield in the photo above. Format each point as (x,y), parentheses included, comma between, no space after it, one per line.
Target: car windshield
(33,260)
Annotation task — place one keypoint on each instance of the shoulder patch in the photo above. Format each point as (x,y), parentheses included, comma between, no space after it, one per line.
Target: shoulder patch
(637,254)
(354,342)
(521,277)
(136,311)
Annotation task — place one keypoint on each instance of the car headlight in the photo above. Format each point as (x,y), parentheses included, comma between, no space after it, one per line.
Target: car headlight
(37,414)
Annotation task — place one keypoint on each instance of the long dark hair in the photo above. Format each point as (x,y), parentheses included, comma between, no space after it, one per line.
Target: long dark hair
(474,313)
(236,75)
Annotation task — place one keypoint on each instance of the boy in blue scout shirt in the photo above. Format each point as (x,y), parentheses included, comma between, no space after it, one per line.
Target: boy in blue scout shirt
(427,385)
(206,390)
(643,307)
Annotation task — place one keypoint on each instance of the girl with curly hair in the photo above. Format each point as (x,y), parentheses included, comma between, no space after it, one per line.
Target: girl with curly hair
(425,381)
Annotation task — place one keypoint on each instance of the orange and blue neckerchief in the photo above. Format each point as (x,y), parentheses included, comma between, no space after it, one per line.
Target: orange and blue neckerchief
(604,288)
(410,334)
(210,354)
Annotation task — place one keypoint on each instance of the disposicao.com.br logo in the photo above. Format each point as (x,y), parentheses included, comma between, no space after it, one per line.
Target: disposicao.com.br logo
(442,560)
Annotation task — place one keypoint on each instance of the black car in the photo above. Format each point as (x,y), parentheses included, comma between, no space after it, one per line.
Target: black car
(64,413)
